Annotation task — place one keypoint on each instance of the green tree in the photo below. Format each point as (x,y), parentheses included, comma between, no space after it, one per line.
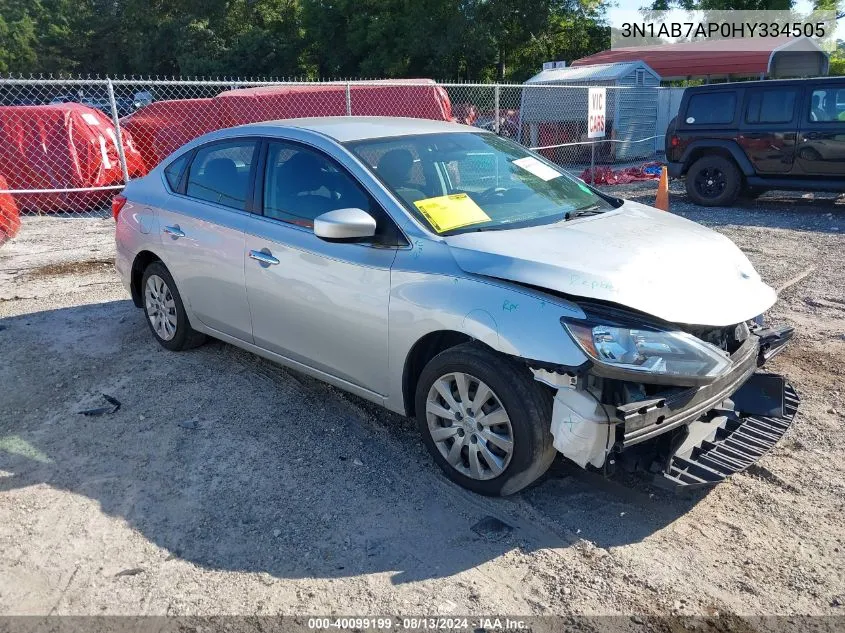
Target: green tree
(17,43)
(444,39)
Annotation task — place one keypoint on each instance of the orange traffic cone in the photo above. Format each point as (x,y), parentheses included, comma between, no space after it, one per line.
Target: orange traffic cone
(662,201)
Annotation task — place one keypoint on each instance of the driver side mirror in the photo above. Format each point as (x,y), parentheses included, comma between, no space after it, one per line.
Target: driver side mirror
(344,224)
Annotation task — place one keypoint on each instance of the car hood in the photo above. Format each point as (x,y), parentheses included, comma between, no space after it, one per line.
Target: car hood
(635,256)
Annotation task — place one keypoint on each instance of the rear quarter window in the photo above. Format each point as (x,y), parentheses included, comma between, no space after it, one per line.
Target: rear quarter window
(173,172)
(711,108)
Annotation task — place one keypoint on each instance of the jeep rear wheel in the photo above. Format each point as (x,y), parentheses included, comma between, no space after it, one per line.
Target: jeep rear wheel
(713,181)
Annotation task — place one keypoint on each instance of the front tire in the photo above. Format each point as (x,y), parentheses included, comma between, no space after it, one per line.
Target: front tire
(713,181)
(165,311)
(485,420)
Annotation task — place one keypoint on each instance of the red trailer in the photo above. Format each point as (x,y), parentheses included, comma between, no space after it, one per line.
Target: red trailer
(10,221)
(162,127)
(63,146)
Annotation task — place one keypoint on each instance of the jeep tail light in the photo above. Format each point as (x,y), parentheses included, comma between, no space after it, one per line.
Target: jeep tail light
(674,141)
(116,205)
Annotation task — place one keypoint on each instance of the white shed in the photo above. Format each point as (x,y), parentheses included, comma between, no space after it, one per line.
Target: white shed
(554,110)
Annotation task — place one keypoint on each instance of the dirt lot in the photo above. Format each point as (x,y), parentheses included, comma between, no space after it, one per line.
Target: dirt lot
(227,485)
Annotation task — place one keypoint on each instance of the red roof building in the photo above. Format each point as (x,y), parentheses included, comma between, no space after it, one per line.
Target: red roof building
(722,59)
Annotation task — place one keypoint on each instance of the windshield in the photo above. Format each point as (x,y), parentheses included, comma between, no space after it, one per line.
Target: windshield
(468,181)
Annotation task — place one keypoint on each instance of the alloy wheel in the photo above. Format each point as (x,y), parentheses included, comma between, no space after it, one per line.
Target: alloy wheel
(161,308)
(469,426)
(710,182)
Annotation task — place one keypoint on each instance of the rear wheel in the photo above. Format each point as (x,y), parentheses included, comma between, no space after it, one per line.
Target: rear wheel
(713,181)
(165,311)
(485,420)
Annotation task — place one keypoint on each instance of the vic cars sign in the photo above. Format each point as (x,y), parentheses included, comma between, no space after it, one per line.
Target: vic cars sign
(595,113)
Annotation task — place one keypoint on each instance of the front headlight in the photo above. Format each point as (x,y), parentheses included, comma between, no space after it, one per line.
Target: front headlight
(647,354)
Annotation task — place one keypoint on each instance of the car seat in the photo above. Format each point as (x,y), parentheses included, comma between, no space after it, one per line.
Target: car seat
(303,190)
(817,113)
(394,167)
(221,183)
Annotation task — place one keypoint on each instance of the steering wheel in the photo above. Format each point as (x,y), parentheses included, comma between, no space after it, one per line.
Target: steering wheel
(493,191)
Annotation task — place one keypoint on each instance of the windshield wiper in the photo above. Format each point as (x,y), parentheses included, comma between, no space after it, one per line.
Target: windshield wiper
(591,210)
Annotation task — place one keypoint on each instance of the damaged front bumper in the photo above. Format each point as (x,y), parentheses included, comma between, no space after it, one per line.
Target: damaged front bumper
(732,440)
(695,436)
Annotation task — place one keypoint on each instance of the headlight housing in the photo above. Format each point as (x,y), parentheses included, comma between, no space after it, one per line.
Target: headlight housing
(647,354)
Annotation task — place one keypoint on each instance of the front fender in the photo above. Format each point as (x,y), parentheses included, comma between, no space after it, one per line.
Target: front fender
(507,317)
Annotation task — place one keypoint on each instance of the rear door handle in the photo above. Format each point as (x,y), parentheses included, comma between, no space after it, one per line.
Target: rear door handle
(810,135)
(264,257)
(174,231)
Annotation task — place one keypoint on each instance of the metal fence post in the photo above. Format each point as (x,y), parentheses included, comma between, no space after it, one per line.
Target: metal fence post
(118,133)
(348,99)
(496,108)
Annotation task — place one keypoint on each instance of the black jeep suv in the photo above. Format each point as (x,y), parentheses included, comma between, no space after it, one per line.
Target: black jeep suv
(742,139)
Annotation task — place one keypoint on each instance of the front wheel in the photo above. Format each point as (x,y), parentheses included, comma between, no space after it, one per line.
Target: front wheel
(485,420)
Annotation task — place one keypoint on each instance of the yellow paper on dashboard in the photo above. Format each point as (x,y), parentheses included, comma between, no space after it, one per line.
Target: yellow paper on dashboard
(445,213)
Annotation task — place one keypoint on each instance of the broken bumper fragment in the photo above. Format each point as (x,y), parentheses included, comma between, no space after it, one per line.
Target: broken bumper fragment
(737,441)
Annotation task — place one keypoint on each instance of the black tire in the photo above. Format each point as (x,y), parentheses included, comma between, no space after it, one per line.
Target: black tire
(527,403)
(713,181)
(184,337)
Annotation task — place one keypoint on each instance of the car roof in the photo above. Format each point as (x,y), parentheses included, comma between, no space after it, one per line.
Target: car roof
(356,128)
(764,83)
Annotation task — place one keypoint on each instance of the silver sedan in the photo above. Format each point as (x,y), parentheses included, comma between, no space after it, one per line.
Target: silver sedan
(452,275)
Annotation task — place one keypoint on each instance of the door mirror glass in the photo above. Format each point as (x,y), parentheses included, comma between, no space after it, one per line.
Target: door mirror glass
(344,224)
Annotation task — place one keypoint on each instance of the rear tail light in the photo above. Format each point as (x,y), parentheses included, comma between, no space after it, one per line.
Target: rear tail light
(674,141)
(116,205)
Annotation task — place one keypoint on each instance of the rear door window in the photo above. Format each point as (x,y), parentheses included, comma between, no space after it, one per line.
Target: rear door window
(771,106)
(711,108)
(220,173)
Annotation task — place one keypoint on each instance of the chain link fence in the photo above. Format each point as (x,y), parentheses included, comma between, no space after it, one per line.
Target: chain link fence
(68,145)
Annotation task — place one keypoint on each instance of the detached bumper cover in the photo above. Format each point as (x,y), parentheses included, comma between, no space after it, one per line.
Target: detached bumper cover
(738,443)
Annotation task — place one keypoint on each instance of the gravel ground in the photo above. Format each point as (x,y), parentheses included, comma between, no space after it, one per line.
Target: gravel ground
(225,484)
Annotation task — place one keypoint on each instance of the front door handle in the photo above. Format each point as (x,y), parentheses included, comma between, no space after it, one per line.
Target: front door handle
(264,257)
(174,231)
